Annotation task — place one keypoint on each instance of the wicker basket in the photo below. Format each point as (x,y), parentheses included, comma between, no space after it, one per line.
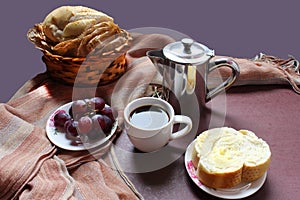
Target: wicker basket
(94,70)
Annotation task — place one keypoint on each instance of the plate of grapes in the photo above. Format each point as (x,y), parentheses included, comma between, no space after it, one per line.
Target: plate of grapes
(82,124)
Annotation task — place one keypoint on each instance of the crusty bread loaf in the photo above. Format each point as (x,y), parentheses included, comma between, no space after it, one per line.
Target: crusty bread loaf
(225,157)
(68,22)
(75,31)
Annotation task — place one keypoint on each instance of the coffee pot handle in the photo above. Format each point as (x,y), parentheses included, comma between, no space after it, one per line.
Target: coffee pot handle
(223,62)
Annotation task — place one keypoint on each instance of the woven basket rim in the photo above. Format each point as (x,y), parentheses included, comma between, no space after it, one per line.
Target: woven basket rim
(49,54)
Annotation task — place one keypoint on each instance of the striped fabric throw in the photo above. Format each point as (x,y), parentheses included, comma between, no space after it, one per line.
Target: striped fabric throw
(33,168)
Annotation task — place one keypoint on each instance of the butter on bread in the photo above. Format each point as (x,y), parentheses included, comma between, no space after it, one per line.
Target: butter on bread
(225,157)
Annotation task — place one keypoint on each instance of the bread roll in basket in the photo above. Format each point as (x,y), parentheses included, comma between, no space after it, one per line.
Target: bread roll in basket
(81,46)
(225,157)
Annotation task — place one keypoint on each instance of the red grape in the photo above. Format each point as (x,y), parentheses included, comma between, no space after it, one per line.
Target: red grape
(98,122)
(67,123)
(85,124)
(79,108)
(71,130)
(102,123)
(60,118)
(108,111)
(108,124)
(97,103)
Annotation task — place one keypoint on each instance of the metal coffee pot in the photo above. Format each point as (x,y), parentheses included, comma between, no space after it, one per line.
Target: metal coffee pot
(185,65)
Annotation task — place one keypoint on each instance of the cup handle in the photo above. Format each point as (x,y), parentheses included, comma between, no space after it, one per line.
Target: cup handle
(181,119)
(229,81)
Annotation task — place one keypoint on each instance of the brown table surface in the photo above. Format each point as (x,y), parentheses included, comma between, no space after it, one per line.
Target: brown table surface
(272,112)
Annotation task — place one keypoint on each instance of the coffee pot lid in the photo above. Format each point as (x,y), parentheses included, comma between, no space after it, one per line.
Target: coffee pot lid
(187,51)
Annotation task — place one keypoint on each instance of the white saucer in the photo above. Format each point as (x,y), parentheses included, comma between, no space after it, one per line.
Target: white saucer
(59,139)
(240,191)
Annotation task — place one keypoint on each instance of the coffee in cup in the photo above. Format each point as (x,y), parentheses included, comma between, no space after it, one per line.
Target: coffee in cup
(149,123)
(149,117)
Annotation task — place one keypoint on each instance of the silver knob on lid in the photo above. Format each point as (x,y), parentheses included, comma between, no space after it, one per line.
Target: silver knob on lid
(187,43)
(186,51)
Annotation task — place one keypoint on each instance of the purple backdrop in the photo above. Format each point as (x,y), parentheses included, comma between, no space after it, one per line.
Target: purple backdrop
(231,27)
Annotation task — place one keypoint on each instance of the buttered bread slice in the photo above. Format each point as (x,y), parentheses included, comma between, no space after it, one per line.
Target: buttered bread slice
(225,157)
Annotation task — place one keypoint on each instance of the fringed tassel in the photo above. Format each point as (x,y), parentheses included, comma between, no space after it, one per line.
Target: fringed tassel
(290,67)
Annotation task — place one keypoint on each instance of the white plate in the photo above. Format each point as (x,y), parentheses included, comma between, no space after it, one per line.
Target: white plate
(59,139)
(240,191)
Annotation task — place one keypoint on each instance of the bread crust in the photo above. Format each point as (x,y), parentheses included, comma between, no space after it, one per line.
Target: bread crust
(252,173)
(195,158)
(219,180)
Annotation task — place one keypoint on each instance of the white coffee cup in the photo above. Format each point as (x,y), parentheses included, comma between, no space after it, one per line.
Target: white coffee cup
(147,125)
